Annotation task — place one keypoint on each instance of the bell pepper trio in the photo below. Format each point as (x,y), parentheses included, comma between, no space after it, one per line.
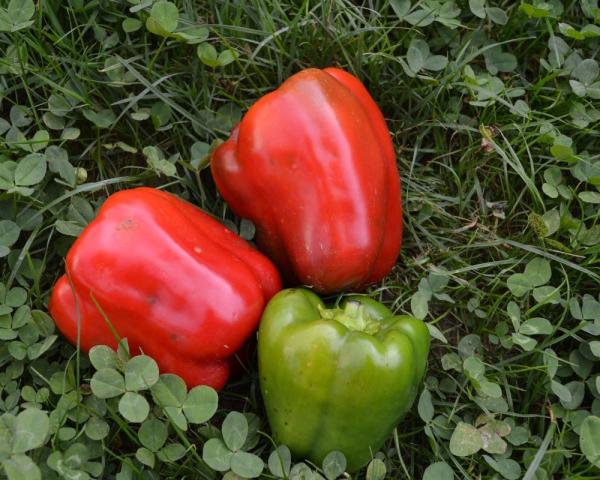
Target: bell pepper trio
(313,166)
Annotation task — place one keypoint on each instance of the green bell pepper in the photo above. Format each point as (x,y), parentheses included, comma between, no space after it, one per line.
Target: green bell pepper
(340,378)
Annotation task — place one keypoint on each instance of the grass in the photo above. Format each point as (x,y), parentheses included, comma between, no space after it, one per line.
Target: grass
(499,156)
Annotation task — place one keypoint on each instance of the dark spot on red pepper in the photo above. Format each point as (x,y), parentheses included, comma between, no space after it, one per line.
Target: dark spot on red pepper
(127,224)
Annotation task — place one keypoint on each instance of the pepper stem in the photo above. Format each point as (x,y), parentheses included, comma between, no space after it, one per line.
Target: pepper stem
(353,317)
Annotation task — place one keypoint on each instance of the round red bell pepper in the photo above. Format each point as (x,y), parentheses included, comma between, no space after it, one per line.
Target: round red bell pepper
(313,166)
(179,285)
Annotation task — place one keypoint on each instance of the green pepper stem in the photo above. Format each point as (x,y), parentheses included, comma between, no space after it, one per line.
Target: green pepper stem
(353,317)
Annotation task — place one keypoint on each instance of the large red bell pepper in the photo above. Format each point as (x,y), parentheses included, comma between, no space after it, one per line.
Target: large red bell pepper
(180,286)
(313,166)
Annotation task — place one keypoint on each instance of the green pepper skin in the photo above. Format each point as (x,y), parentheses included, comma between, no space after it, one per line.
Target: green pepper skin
(329,385)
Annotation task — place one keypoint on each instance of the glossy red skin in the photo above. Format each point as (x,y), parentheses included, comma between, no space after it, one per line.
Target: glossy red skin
(312,165)
(179,285)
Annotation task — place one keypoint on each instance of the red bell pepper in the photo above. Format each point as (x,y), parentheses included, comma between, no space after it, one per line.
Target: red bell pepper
(313,166)
(179,285)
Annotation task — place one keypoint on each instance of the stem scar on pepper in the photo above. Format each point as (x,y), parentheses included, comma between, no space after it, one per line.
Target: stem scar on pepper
(352,316)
